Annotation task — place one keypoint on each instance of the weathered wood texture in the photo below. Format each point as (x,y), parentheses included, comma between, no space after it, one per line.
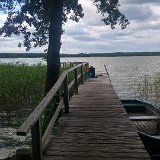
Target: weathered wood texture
(97,128)
(144,125)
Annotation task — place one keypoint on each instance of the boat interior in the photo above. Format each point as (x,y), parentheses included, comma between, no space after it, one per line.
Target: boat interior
(142,116)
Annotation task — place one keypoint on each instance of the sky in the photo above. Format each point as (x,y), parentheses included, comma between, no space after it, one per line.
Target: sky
(91,35)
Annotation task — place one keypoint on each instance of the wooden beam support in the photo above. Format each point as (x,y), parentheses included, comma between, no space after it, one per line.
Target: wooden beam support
(36,141)
(76,80)
(66,94)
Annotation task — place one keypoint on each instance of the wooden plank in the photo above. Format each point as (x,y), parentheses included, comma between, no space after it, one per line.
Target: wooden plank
(143,118)
(133,105)
(89,158)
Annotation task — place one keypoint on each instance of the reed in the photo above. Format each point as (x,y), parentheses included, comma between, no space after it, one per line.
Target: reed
(149,88)
(21,89)
(21,85)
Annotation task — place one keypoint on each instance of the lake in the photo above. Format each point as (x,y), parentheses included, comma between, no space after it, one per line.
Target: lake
(126,74)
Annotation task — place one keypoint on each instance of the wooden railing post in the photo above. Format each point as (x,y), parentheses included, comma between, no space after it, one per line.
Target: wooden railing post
(82,75)
(76,80)
(36,141)
(66,94)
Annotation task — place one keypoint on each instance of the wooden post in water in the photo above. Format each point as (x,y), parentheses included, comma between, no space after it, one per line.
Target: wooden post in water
(37,141)
(66,94)
(107,73)
(76,80)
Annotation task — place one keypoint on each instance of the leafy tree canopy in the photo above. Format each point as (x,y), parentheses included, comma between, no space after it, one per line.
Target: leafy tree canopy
(31,18)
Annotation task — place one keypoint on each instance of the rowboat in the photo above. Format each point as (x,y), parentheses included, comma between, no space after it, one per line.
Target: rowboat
(146,119)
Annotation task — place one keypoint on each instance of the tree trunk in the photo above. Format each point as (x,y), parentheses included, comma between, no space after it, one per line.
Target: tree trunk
(53,54)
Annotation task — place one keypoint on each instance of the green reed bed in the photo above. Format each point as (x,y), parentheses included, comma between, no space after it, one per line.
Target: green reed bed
(21,89)
(21,85)
(149,88)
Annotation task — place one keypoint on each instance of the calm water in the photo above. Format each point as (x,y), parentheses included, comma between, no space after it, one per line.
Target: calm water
(125,72)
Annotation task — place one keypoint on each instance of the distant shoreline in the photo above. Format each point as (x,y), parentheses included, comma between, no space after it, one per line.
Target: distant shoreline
(115,54)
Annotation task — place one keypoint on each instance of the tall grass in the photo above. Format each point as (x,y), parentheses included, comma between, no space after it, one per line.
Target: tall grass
(21,89)
(149,88)
(21,85)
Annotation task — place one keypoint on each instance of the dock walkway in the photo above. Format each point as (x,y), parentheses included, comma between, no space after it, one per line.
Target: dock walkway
(97,127)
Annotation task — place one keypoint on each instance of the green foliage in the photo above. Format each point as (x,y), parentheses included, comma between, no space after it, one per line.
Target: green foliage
(111,7)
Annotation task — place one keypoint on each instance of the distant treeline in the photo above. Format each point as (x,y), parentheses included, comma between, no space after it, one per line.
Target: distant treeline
(115,54)
(22,55)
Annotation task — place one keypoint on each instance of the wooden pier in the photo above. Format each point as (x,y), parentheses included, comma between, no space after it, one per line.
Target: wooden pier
(94,126)
(97,127)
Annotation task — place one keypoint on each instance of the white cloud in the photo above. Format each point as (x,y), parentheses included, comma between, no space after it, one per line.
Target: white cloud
(138,12)
(141,35)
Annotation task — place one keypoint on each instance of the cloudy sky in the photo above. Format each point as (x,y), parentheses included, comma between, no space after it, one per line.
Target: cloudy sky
(91,35)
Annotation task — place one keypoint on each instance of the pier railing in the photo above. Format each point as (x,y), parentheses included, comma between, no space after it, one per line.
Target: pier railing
(33,122)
